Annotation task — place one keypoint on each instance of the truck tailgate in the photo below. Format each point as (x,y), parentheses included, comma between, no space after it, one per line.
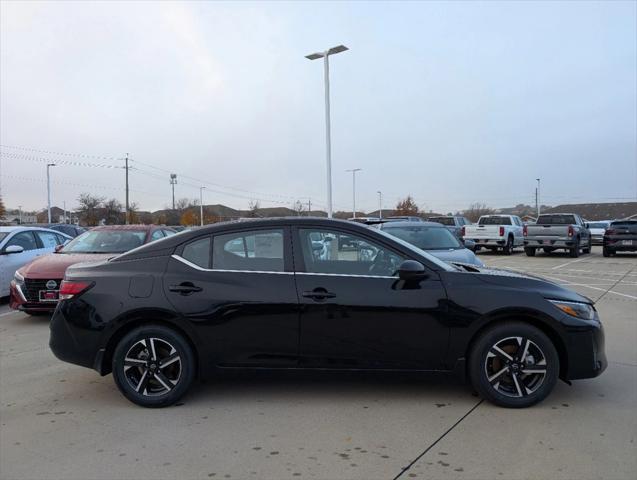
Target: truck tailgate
(547,232)
(482,231)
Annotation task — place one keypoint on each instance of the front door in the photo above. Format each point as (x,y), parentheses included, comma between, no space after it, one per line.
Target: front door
(238,291)
(356,313)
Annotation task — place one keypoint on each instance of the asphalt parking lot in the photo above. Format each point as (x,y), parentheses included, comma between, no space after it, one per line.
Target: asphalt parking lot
(62,421)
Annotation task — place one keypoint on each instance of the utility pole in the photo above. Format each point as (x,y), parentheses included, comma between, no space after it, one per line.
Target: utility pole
(48,189)
(537,197)
(354,170)
(173,182)
(20,214)
(380,204)
(201,204)
(126,188)
(64,212)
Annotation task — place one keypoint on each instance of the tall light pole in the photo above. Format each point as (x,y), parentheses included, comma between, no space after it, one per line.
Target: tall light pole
(354,170)
(380,204)
(328,141)
(201,204)
(48,188)
(20,214)
(537,197)
(173,182)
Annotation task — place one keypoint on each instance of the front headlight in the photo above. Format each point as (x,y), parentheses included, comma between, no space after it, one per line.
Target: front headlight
(19,279)
(576,309)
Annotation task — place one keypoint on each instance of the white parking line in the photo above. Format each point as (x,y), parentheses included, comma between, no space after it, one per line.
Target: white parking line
(571,284)
(567,263)
(8,313)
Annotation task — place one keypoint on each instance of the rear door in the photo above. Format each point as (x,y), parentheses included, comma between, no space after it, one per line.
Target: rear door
(356,313)
(237,289)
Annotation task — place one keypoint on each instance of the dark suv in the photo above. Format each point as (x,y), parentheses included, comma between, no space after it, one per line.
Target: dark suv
(620,236)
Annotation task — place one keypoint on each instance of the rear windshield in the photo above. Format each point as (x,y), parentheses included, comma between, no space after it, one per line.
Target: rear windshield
(427,238)
(556,220)
(106,241)
(494,221)
(443,220)
(625,223)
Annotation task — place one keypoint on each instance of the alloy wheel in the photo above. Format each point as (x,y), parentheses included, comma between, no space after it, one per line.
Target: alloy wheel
(515,367)
(152,366)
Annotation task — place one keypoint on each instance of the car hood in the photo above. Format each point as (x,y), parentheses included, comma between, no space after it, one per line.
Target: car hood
(54,265)
(459,255)
(523,281)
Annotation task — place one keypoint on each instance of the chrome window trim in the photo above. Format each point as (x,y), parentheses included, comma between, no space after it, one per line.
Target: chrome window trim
(202,269)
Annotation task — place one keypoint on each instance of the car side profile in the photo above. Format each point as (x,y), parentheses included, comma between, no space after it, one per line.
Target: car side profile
(311,293)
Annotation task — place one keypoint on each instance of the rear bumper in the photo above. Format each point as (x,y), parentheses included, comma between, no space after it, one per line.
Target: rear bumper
(616,244)
(554,243)
(488,242)
(72,342)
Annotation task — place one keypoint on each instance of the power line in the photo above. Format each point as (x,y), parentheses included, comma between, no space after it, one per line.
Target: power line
(19,156)
(64,154)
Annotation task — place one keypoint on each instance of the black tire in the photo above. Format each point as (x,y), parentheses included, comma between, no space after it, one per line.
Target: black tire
(607,252)
(160,386)
(530,252)
(574,252)
(476,249)
(589,247)
(508,248)
(527,388)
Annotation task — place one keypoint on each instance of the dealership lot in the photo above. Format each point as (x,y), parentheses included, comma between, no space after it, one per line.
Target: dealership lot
(62,421)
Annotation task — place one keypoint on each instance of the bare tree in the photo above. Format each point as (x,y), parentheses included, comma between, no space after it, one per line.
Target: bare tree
(184,203)
(253,208)
(88,209)
(406,206)
(113,211)
(298,207)
(476,210)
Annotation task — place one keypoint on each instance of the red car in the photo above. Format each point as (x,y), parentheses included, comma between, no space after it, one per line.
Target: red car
(35,287)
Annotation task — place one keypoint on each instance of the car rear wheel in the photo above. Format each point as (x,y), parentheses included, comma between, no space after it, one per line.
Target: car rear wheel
(153,366)
(508,248)
(588,248)
(574,252)
(530,252)
(514,365)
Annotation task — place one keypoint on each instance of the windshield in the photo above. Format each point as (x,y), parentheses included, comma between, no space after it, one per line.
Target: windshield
(598,225)
(439,263)
(3,235)
(427,238)
(106,241)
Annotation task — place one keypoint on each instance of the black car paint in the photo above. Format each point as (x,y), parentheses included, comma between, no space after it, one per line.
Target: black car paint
(251,319)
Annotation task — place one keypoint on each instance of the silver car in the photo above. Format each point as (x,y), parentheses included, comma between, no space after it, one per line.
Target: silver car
(435,239)
(20,245)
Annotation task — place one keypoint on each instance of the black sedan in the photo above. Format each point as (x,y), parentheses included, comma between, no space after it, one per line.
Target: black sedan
(317,294)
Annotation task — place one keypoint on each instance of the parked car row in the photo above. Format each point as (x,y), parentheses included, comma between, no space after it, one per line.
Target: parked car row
(35,259)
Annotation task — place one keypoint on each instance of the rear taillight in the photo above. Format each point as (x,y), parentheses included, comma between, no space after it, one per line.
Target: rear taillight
(462,231)
(610,231)
(70,288)
(502,231)
(571,231)
(525,231)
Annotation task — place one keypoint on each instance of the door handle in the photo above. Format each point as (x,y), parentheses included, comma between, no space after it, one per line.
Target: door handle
(185,288)
(318,294)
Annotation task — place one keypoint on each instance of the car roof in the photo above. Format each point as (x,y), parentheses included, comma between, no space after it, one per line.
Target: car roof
(137,227)
(21,228)
(411,224)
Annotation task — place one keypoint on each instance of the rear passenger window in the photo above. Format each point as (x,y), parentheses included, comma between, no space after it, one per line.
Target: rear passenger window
(260,250)
(48,239)
(198,252)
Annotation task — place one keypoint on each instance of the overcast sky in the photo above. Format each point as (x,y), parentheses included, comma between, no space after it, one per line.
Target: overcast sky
(452,102)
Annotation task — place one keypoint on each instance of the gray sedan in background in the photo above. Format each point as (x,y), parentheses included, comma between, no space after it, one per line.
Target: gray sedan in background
(435,239)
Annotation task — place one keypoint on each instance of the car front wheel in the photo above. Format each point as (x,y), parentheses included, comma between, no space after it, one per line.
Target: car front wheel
(514,365)
(153,366)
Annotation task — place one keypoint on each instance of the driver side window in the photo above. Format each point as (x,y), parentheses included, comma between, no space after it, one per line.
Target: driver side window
(333,252)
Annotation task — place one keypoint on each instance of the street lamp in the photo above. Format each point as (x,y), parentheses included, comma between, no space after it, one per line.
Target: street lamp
(20,214)
(48,188)
(354,170)
(537,197)
(328,142)
(380,204)
(201,204)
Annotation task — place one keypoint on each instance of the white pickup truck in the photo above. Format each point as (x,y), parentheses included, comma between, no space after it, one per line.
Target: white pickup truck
(496,232)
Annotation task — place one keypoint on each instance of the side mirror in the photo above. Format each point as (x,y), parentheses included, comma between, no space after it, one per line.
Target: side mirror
(13,249)
(411,270)
(470,244)
(59,247)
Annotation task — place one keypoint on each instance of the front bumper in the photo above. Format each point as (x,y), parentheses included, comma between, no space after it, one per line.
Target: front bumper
(586,352)
(18,301)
